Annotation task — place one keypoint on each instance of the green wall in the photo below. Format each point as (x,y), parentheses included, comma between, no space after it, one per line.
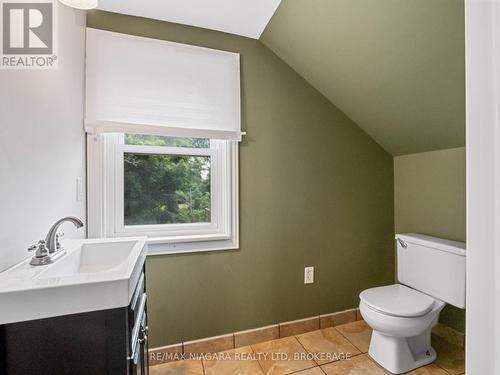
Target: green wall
(429,198)
(314,190)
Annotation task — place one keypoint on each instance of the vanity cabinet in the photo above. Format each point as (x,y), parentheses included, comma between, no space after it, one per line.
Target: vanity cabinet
(106,342)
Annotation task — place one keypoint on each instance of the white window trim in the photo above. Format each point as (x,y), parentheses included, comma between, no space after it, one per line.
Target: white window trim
(105,213)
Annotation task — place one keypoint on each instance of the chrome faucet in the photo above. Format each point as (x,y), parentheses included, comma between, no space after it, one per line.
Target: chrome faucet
(52,239)
(50,249)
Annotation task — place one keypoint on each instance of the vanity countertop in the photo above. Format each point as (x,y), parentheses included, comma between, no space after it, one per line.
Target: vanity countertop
(94,274)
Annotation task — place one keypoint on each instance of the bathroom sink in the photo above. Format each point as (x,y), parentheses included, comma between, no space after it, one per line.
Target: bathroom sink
(91,258)
(94,274)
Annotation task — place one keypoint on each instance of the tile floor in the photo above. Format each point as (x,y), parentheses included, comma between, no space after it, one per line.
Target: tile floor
(314,353)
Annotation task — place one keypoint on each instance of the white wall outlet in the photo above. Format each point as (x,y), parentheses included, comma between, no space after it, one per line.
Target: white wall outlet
(308,275)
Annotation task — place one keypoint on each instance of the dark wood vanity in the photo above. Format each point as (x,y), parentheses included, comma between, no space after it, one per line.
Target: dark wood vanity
(106,342)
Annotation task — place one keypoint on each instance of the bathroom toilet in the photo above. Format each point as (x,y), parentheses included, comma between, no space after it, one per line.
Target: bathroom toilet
(431,272)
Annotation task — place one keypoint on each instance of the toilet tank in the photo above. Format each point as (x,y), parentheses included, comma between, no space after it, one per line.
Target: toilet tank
(432,265)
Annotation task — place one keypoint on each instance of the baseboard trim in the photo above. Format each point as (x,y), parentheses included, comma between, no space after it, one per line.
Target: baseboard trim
(449,334)
(253,336)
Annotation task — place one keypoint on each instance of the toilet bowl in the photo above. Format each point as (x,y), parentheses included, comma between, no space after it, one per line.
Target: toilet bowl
(402,316)
(401,338)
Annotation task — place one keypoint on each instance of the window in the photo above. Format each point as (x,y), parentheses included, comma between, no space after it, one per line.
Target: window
(163,121)
(168,186)
(178,191)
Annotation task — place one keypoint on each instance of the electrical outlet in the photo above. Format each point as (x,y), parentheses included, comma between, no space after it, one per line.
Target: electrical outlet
(308,275)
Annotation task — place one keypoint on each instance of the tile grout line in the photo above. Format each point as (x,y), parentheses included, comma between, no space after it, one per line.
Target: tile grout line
(304,369)
(317,364)
(203,367)
(202,364)
(258,362)
(303,347)
(326,363)
(350,342)
(445,370)
(307,351)
(439,367)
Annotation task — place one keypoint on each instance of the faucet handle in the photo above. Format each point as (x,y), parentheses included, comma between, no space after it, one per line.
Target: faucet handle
(41,249)
(36,246)
(32,247)
(59,235)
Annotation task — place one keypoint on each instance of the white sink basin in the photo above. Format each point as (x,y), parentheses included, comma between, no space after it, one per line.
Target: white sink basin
(94,274)
(91,258)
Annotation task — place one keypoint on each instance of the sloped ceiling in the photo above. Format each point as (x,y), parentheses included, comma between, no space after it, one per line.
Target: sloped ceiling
(241,17)
(395,67)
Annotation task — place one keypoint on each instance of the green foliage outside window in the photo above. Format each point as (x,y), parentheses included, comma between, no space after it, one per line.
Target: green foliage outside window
(166,189)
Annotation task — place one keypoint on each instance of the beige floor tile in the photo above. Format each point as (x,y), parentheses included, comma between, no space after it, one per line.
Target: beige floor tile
(328,345)
(360,365)
(358,333)
(237,361)
(278,357)
(178,368)
(449,357)
(428,370)
(310,371)
(165,354)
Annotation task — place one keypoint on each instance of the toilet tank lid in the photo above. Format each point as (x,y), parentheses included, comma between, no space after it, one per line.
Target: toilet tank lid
(442,244)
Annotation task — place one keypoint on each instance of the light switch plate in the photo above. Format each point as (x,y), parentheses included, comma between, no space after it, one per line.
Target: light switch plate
(79,189)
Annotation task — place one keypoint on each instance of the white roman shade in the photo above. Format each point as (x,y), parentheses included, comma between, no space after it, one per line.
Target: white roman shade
(149,86)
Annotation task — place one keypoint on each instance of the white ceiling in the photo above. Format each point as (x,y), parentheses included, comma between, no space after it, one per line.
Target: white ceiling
(242,17)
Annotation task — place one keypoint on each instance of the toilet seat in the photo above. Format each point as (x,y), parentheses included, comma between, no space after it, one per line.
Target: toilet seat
(397,300)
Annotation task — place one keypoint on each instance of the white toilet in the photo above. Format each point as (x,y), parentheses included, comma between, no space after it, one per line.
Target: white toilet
(432,273)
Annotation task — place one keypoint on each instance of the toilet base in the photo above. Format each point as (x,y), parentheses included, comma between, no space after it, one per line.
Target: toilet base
(402,354)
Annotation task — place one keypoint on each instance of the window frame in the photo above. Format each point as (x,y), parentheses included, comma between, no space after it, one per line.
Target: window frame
(106,197)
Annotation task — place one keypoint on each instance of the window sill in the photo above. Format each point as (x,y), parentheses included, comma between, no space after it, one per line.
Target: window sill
(156,247)
(189,239)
